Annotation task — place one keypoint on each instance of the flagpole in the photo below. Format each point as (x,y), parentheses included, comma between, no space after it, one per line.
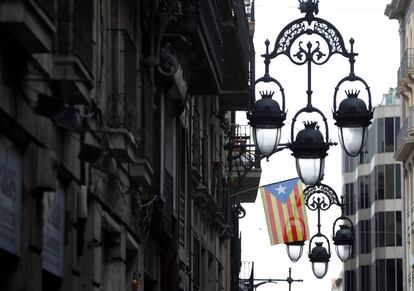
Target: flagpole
(257,187)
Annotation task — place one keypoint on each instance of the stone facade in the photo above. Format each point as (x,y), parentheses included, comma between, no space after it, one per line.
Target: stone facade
(114,116)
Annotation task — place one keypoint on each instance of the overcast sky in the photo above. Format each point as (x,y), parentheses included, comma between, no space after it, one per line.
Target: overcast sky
(377,42)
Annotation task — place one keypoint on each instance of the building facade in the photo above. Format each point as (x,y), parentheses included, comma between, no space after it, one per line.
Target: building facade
(403,11)
(373,195)
(114,116)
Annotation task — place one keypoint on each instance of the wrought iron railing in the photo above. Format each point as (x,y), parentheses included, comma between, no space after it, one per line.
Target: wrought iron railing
(242,27)
(48,6)
(74,30)
(243,151)
(407,125)
(204,158)
(122,103)
(196,140)
(210,16)
(169,195)
(407,62)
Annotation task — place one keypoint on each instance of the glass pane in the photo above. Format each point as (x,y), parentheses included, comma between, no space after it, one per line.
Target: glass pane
(396,130)
(397,181)
(380,182)
(381,229)
(390,229)
(399,275)
(380,275)
(390,275)
(398,228)
(380,140)
(389,134)
(389,181)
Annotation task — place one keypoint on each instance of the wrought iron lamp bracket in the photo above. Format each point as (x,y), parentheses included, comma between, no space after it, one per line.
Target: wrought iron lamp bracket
(320,197)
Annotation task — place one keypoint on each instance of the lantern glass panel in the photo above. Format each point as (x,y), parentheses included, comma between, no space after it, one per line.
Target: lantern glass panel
(343,252)
(294,252)
(352,139)
(266,140)
(310,170)
(319,269)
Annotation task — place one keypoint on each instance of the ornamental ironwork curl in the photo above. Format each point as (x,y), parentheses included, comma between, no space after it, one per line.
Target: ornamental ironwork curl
(318,26)
(288,36)
(320,197)
(331,35)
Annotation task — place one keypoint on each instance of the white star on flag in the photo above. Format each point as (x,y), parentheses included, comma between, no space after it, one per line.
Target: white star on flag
(280,189)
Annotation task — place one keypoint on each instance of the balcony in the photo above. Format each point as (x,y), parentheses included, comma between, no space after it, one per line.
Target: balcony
(31,22)
(405,138)
(245,166)
(73,49)
(238,54)
(200,22)
(406,70)
(121,109)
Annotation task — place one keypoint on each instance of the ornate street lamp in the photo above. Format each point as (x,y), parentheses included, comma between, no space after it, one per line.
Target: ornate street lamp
(352,116)
(310,149)
(343,241)
(295,250)
(266,117)
(310,146)
(320,198)
(319,257)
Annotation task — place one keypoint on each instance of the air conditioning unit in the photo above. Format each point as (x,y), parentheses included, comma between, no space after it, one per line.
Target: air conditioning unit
(183,284)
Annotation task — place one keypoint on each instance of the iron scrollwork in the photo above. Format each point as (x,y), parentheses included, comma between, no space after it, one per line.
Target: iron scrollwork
(320,197)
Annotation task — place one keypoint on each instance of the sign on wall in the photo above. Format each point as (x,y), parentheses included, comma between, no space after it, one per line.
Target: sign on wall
(53,231)
(10,196)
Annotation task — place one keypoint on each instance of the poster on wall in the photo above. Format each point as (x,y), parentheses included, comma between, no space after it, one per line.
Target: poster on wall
(53,231)
(10,196)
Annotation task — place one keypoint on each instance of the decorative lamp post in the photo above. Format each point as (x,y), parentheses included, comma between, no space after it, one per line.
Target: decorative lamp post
(310,41)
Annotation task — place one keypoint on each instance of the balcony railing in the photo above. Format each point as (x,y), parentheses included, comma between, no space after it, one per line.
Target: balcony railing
(243,147)
(196,140)
(407,63)
(210,17)
(122,103)
(48,6)
(74,30)
(242,27)
(407,125)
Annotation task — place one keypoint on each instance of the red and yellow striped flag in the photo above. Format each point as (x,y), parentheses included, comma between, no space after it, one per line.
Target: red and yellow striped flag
(285,211)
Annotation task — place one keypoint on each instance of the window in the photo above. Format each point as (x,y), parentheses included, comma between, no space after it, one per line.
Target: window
(389,134)
(349,199)
(364,199)
(397,181)
(380,182)
(389,181)
(388,229)
(364,228)
(388,275)
(380,139)
(365,277)
(350,282)
(386,181)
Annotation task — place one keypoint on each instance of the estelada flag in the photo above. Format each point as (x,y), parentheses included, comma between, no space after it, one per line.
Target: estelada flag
(285,211)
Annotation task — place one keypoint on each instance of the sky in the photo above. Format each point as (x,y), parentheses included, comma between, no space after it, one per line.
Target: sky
(377,42)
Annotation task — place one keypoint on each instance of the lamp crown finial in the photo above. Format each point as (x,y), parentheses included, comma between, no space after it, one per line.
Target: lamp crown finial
(266,94)
(311,125)
(309,6)
(352,93)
